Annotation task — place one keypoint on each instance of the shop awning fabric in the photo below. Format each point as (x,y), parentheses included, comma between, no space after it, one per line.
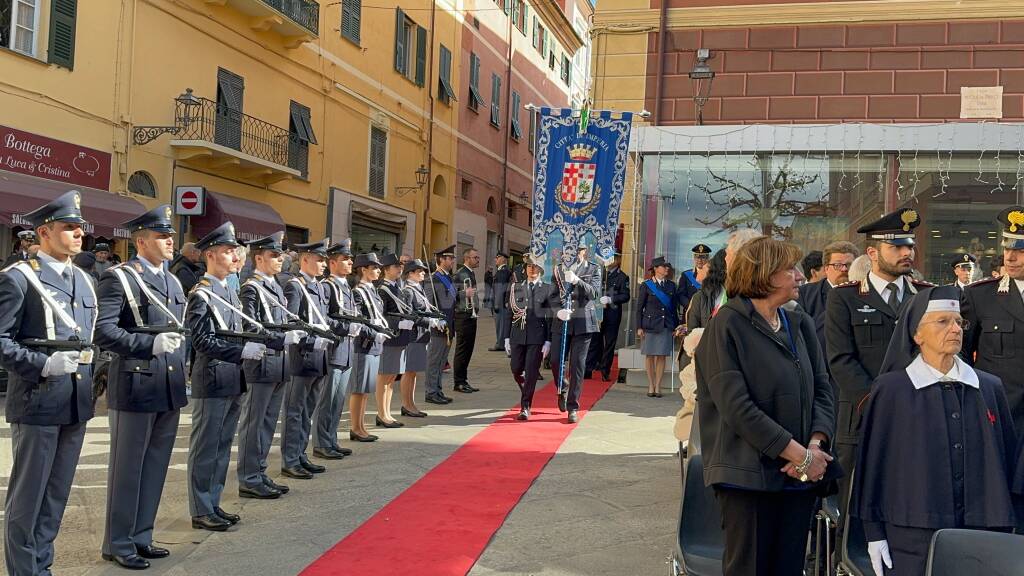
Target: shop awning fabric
(105,211)
(251,219)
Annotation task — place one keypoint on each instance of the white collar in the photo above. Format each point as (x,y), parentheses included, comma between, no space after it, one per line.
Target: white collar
(307,277)
(340,280)
(222,283)
(1020,284)
(922,375)
(53,263)
(152,267)
(829,282)
(881,284)
(960,284)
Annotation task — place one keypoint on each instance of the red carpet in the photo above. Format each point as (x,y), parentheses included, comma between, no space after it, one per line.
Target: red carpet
(443,522)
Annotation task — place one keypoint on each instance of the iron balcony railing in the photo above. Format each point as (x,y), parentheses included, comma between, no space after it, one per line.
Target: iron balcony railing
(305,13)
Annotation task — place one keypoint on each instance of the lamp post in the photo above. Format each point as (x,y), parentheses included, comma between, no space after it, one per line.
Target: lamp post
(421,180)
(702,75)
(182,118)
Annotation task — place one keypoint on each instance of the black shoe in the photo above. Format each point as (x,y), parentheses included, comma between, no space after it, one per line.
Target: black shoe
(297,472)
(232,518)
(412,414)
(392,424)
(310,467)
(131,561)
(342,451)
(573,418)
(464,388)
(524,414)
(446,399)
(152,552)
(327,453)
(279,487)
(657,394)
(357,438)
(210,522)
(435,399)
(650,394)
(561,401)
(261,492)
(606,376)
(471,387)
(495,349)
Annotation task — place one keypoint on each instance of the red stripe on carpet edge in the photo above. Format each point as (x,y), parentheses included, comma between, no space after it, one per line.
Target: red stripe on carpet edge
(441,524)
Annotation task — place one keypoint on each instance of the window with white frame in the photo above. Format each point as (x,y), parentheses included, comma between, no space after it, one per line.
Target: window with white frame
(19,25)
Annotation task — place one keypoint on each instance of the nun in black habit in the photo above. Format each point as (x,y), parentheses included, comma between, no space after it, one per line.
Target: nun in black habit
(938,447)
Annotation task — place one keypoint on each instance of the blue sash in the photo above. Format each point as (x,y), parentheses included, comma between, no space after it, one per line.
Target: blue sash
(692,278)
(446,281)
(661,296)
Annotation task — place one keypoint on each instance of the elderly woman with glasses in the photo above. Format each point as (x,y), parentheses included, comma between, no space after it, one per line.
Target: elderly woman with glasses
(938,446)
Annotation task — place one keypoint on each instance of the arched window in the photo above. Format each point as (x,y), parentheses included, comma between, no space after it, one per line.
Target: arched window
(141,183)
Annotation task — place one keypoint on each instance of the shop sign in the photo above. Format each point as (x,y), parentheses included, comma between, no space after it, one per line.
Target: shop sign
(35,155)
(19,220)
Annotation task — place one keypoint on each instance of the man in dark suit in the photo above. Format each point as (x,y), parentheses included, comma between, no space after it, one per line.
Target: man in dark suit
(466,313)
(46,300)
(994,341)
(499,300)
(616,295)
(578,287)
(214,316)
(188,266)
(141,315)
(836,258)
(529,338)
(860,320)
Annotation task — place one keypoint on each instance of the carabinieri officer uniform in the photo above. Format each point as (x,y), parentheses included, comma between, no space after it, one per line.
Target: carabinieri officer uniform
(141,314)
(214,317)
(530,338)
(48,304)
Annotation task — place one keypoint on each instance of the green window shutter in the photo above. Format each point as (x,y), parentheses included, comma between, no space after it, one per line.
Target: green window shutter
(495,100)
(400,40)
(508,6)
(514,113)
(526,17)
(533,37)
(515,12)
(63,15)
(351,19)
(421,55)
(532,136)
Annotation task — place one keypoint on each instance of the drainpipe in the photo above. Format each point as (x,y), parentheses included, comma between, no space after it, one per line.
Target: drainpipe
(430,131)
(502,211)
(661,62)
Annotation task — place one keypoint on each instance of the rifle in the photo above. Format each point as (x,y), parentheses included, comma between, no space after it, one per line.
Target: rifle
(416,315)
(347,317)
(167,329)
(246,336)
(299,324)
(59,345)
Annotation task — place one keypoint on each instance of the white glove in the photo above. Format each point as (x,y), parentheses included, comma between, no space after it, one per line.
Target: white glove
(545,350)
(166,343)
(564,314)
(570,277)
(508,347)
(293,337)
(354,329)
(61,363)
(380,337)
(321,343)
(606,300)
(253,351)
(879,553)
(405,324)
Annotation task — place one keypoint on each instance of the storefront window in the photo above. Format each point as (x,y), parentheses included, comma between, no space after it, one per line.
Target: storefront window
(366,239)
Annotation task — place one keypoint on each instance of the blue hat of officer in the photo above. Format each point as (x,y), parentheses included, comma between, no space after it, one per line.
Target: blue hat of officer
(273,242)
(1012,222)
(390,259)
(66,208)
(343,247)
(965,260)
(159,219)
(446,251)
(896,228)
(223,235)
(317,248)
(414,265)
(368,259)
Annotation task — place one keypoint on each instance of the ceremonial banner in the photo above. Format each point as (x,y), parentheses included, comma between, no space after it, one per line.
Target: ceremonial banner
(579,175)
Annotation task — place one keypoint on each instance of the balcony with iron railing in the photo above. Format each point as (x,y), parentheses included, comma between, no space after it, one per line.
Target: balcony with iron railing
(297,20)
(219,137)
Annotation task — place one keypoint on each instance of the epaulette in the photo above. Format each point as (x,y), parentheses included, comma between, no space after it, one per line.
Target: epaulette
(204,282)
(34,263)
(848,284)
(987,280)
(922,283)
(138,266)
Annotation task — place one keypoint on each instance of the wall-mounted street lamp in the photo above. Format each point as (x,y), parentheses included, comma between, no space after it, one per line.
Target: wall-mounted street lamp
(421,180)
(183,105)
(702,76)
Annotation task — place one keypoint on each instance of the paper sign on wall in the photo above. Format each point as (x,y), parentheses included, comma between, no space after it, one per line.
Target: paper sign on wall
(981,102)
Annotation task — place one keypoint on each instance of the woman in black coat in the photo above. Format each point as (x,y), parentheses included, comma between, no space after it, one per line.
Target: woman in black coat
(766,413)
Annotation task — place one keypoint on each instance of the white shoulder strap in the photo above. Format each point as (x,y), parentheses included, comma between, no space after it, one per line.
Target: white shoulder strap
(312,311)
(50,306)
(205,295)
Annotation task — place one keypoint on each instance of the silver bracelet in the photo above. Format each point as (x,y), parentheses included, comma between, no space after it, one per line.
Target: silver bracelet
(808,458)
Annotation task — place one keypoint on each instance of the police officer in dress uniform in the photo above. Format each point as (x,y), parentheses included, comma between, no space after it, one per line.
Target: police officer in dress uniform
(994,341)
(47,302)
(443,294)
(263,299)
(308,299)
(336,385)
(220,342)
(530,338)
(499,302)
(963,268)
(141,314)
(579,286)
(860,320)
(26,238)
(466,314)
(688,281)
(616,295)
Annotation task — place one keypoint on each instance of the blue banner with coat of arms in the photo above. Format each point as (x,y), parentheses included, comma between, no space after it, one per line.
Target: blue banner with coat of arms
(579,176)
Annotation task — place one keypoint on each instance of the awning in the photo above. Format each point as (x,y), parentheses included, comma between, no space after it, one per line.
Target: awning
(105,211)
(252,220)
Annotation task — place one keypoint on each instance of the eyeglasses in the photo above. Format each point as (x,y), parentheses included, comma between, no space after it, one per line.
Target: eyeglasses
(947,323)
(838,266)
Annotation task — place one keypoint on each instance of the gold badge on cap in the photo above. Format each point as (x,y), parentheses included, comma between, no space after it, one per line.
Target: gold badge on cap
(231,228)
(908,217)
(78,201)
(1015,218)
(167,212)
(967,258)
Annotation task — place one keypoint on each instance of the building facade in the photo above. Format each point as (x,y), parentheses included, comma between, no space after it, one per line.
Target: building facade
(820,117)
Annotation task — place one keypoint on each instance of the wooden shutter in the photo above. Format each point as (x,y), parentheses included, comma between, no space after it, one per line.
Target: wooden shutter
(421,55)
(514,113)
(378,161)
(351,19)
(495,100)
(400,40)
(63,16)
